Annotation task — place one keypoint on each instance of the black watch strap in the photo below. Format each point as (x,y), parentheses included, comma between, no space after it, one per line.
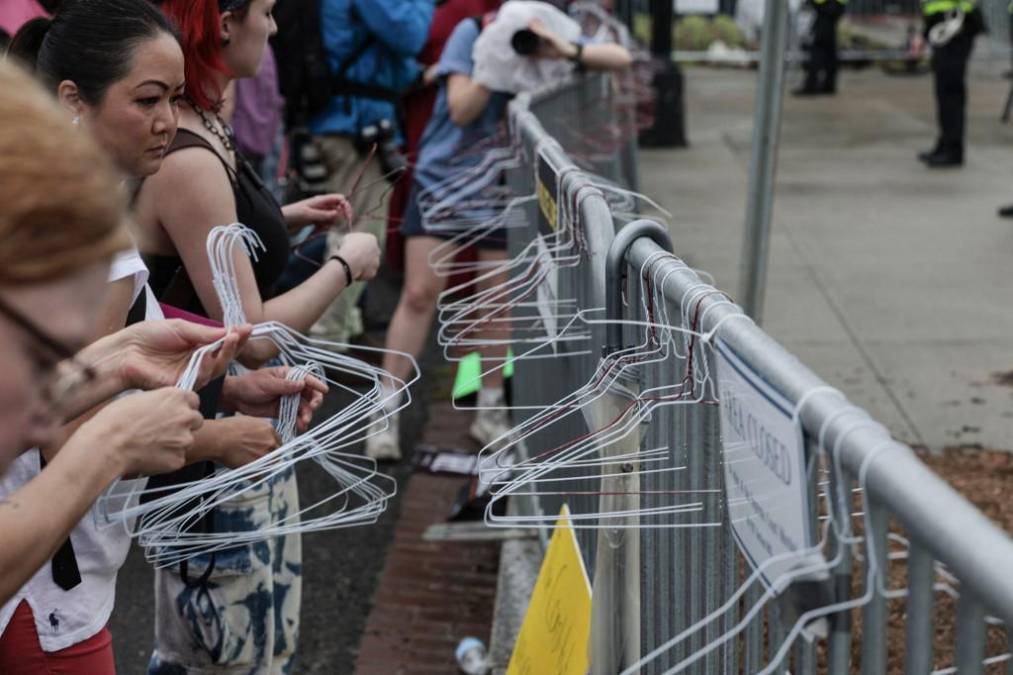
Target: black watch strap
(578,57)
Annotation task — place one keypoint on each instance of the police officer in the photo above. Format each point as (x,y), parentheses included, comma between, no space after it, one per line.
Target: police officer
(821,68)
(950,26)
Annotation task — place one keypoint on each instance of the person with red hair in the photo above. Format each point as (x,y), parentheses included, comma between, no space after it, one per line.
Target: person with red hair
(16,13)
(236,610)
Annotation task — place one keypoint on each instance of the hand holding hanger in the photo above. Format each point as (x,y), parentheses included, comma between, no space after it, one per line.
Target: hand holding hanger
(260,393)
(146,433)
(150,355)
(154,353)
(324,211)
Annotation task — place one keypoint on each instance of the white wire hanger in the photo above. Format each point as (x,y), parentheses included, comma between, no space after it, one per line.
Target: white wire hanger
(164,520)
(615,411)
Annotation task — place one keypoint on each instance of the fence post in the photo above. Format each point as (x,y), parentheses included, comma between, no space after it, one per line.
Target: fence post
(615,266)
(615,610)
(763,160)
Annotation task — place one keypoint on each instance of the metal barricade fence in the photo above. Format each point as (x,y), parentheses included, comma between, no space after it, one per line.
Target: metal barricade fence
(686,574)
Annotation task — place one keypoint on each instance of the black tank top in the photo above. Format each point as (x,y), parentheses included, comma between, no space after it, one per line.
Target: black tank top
(256,208)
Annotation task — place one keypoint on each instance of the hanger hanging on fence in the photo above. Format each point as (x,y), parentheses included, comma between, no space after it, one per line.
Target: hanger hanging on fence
(614,409)
(464,308)
(478,305)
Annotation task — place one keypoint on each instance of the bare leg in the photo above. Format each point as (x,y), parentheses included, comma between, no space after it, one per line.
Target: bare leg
(409,327)
(493,355)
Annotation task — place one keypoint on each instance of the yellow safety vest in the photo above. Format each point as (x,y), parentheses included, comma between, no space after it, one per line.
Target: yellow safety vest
(844,2)
(930,7)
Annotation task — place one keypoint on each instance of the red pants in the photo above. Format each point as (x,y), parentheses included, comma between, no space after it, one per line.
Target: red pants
(21,653)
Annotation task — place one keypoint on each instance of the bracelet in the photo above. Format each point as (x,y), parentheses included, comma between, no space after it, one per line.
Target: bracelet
(349,278)
(576,58)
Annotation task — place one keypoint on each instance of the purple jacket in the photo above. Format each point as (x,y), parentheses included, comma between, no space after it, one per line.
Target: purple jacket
(259,106)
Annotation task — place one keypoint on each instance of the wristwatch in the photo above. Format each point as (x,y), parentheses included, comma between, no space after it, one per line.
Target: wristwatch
(577,57)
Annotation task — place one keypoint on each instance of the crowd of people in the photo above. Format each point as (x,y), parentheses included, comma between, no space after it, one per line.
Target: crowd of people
(118,159)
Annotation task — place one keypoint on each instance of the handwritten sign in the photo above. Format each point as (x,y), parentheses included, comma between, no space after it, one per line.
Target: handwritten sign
(765,476)
(554,636)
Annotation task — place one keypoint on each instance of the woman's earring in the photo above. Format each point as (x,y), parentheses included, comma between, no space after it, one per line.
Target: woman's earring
(225,42)
(76,121)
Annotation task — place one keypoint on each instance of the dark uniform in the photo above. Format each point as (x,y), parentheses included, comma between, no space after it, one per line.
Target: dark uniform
(949,72)
(821,68)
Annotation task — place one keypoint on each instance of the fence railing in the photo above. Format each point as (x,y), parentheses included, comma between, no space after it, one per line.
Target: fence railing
(935,559)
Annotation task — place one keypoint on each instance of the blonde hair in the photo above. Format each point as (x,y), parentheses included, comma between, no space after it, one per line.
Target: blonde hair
(60,205)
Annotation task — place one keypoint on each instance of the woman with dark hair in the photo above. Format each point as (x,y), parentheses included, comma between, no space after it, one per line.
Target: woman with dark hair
(237,609)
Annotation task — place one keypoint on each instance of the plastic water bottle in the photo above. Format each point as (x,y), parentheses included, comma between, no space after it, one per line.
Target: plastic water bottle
(471,656)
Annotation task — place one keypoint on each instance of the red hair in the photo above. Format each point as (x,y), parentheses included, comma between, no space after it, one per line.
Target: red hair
(199,22)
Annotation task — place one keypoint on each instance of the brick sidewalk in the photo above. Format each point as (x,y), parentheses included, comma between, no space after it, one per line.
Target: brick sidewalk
(431,594)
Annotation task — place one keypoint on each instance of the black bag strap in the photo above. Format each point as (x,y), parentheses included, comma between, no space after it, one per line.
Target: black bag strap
(139,309)
(342,86)
(180,291)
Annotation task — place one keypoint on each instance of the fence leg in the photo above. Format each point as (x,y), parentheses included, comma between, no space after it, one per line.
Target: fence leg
(1009,648)
(874,615)
(970,635)
(919,611)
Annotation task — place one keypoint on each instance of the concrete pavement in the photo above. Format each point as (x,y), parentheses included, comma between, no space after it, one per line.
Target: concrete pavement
(890,281)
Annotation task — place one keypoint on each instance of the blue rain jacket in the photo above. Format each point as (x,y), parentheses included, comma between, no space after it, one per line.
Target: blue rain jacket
(399,29)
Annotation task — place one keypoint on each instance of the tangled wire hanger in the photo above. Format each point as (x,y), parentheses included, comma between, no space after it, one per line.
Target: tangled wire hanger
(163,523)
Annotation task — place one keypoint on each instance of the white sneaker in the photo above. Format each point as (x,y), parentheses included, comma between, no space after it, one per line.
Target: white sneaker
(385,446)
(489,425)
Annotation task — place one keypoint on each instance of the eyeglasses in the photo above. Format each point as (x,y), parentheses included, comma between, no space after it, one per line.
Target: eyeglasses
(61,372)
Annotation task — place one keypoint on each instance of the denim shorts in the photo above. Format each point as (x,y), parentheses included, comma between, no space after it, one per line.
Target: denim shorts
(412,226)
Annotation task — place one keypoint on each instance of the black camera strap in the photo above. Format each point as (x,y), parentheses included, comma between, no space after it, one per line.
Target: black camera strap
(342,86)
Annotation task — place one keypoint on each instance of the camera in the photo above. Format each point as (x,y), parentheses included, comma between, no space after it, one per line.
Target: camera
(308,168)
(381,134)
(525,42)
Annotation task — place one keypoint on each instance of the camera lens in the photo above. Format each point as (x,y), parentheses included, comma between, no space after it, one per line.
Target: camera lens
(525,42)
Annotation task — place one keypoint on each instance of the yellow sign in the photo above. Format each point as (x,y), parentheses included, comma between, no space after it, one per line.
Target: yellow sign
(557,625)
(548,205)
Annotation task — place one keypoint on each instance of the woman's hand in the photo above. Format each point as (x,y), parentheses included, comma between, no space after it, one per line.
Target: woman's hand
(145,433)
(259,394)
(552,46)
(361,251)
(155,353)
(149,355)
(243,439)
(323,211)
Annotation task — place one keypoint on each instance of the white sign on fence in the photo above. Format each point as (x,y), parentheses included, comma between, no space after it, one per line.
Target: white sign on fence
(547,291)
(765,473)
(696,6)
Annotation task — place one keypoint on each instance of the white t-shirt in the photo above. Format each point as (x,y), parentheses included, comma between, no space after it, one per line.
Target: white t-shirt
(65,618)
